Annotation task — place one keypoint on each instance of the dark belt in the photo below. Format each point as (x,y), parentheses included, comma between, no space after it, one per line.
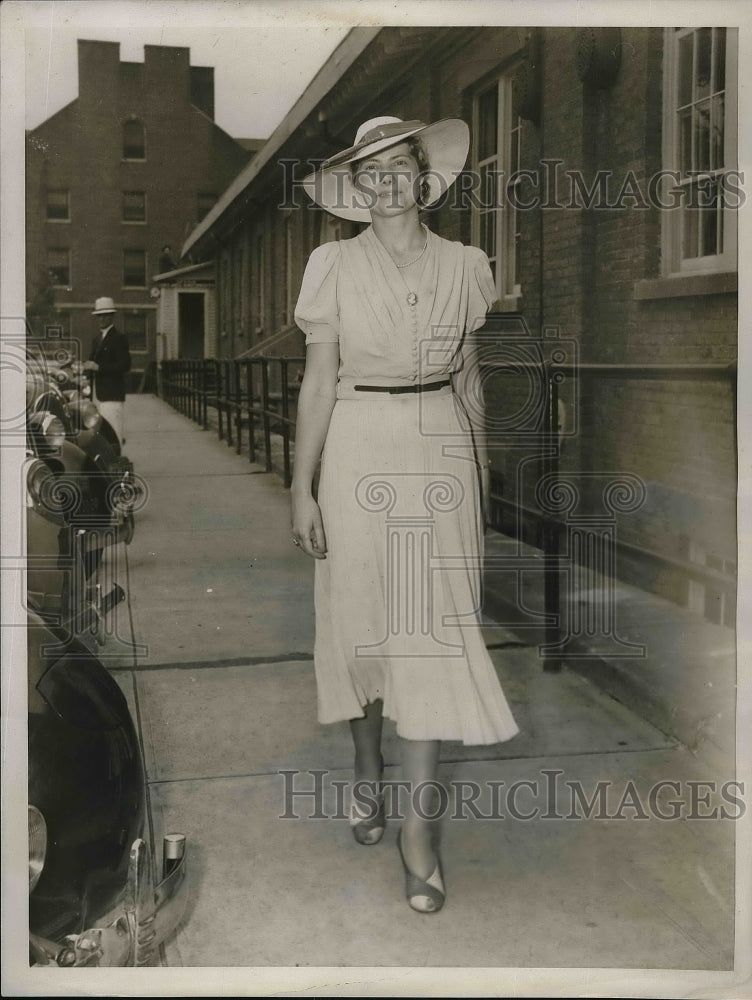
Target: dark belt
(394,389)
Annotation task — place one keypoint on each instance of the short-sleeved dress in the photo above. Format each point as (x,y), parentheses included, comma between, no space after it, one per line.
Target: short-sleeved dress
(397,598)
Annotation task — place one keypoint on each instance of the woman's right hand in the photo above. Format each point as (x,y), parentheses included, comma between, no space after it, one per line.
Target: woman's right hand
(307,526)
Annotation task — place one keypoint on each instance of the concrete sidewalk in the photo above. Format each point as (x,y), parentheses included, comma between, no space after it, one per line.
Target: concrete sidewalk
(224,694)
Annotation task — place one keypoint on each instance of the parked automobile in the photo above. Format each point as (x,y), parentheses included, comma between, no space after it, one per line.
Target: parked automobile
(92,897)
(85,488)
(57,382)
(67,373)
(92,894)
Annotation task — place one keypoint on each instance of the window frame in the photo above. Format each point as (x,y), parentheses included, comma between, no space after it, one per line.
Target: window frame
(48,217)
(259,259)
(288,247)
(134,159)
(128,318)
(51,269)
(133,250)
(134,222)
(505,264)
(673,264)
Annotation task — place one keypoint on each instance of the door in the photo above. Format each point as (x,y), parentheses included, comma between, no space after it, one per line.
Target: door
(190,325)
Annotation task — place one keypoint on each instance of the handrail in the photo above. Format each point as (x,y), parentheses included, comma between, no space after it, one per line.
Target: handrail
(245,393)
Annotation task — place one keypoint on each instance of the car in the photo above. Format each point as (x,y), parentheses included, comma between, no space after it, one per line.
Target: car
(92,901)
(81,496)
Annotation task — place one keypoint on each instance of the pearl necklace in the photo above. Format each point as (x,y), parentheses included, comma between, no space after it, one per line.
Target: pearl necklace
(415,259)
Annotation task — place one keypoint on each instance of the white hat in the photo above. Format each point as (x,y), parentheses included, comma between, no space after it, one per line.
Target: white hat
(446,143)
(102,306)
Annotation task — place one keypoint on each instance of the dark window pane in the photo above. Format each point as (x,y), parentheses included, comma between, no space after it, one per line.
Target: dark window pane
(720,59)
(685,142)
(702,149)
(134,326)
(134,268)
(717,137)
(133,140)
(686,49)
(709,212)
(58,264)
(704,49)
(690,223)
(57,205)
(488,105)
(134,206)
(489,186)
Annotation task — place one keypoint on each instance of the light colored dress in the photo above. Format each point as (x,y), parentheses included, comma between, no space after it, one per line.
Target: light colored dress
(398,596)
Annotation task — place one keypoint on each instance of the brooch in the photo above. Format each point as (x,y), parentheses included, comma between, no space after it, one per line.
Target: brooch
(412,299)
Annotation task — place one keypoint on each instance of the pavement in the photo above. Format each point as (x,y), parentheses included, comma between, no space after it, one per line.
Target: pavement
(213,651)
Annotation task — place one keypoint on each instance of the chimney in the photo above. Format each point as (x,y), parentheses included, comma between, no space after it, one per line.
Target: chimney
(202,89)
(166,75)
(98,73)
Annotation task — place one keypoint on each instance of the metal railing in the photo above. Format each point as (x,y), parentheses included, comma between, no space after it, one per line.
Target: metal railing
(550,375)
(256,395)
(248,395)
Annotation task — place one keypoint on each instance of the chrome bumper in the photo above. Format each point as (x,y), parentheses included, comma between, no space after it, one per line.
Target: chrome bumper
(144,919)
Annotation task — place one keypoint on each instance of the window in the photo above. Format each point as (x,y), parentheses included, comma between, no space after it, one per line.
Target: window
(58,265)
(134,143)
(699,234)
(260,278)
(238,258)
(134,268)
(134,206)
(204,202)
(287,305)
(496,161)
(134,327)
(58,206)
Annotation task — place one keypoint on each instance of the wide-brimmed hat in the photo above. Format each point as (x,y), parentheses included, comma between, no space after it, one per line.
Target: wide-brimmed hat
(446,143)
(102,306)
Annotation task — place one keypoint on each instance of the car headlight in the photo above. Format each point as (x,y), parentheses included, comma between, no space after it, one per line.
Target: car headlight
(37,845)
(51,428)
(89,414)
(86,413)
(38,476)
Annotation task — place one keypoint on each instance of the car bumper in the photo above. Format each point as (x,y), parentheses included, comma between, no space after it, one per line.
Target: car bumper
(145,917)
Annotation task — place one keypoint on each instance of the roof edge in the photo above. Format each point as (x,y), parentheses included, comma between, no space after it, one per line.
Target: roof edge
(346,53)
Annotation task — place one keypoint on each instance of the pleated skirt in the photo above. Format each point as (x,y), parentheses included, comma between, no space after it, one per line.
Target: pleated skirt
(398,596)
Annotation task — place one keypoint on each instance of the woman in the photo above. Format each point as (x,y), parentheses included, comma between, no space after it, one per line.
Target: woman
(391,395)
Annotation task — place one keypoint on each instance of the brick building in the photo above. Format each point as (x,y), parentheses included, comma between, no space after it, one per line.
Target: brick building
(612,154)
(123,171)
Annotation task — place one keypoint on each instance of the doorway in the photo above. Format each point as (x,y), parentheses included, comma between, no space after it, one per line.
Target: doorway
(190,325)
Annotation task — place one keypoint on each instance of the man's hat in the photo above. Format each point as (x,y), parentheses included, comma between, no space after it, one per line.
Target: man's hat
(446,143)
(103,306)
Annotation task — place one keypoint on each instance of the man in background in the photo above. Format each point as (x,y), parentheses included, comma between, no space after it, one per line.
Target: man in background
(109,361)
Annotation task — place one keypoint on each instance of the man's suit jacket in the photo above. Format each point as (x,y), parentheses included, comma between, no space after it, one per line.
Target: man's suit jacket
(114,360)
